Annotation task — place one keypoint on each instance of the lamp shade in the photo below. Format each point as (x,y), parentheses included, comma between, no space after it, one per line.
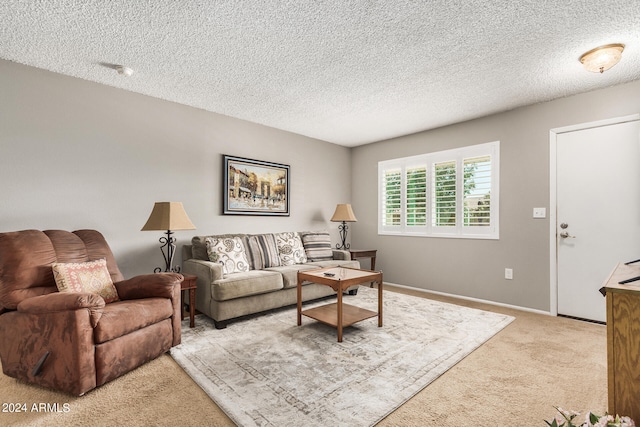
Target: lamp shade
(602,58)
(343,213)
(168,216)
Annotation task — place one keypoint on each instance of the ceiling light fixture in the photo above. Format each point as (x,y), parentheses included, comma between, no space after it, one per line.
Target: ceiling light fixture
(125,71)
(602,58)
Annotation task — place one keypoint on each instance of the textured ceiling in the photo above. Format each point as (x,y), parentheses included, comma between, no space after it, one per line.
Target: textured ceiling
(347,72)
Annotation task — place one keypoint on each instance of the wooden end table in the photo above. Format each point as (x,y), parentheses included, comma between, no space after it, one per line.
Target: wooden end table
(365,253)
(339,315)
(189,284)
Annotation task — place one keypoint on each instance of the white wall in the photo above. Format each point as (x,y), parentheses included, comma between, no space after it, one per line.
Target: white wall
(475,268)
(76,154)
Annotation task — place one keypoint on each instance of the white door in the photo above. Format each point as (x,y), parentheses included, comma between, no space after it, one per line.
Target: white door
(598,212)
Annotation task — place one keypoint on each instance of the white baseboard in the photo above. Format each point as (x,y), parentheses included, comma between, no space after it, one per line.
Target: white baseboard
(498,304)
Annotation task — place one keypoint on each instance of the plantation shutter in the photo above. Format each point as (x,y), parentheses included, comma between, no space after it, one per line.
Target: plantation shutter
(416,197)
(444,197)
(392,197)
(477,191)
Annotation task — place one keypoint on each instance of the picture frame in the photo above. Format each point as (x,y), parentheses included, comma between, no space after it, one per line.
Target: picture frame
(255,187)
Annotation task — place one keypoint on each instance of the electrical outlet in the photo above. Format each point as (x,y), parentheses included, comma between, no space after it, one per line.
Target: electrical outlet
(508,273)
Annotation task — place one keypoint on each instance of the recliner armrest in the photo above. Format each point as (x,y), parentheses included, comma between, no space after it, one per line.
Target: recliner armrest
(63,301)
(158,285)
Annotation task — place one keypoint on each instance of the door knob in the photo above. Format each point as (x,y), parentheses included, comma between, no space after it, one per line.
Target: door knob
(566,235)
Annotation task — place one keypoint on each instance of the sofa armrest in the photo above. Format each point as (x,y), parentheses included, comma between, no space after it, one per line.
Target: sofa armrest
(62,301)
(158,285)
(341,254)
(207,270)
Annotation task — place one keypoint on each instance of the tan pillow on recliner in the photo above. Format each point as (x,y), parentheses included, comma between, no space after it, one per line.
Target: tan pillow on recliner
(91,276)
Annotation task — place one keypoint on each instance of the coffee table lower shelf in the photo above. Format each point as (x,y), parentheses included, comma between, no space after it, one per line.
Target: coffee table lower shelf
(340,279)
(328,314)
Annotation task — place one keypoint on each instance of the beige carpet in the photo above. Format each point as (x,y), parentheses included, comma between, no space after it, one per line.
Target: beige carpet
(515,378)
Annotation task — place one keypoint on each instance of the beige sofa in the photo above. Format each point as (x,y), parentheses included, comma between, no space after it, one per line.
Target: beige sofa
(230,285)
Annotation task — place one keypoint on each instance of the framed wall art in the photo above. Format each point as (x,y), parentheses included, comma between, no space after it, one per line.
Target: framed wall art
(255,187)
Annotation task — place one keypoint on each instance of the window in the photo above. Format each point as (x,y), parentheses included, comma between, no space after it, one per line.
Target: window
(450,193)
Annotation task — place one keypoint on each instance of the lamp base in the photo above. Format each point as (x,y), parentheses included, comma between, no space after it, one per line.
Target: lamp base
(168,249)
(343,236)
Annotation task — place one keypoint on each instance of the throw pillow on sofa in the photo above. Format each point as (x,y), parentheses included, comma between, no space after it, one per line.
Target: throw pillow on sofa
(263,251)
(317,245)
(92,277)
(290,248)
(228,251)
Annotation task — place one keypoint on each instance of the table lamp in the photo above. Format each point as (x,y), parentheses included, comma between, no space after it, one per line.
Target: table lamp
(168,216)
(343,214)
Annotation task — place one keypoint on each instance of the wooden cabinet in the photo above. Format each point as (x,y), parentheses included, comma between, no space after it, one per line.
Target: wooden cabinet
(623,341)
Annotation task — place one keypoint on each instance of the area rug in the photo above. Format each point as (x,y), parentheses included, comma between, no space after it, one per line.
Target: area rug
(267,371)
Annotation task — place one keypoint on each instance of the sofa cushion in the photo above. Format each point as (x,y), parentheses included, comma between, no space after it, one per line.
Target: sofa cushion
(91,277)
(239,285)
(199,247)
(123,317)
(317,245)
(290,273)
(263,251)
(290,248)
(228,251)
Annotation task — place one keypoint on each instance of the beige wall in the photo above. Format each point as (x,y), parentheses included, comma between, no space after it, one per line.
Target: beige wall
(475,268)
(76,154)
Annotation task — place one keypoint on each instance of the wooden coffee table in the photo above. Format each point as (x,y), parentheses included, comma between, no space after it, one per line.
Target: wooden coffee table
(339,315)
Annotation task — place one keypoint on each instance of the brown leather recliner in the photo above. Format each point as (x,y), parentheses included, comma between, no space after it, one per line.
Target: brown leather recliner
(74,342)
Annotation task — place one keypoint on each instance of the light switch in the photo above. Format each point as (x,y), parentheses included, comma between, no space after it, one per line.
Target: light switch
(539,212)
